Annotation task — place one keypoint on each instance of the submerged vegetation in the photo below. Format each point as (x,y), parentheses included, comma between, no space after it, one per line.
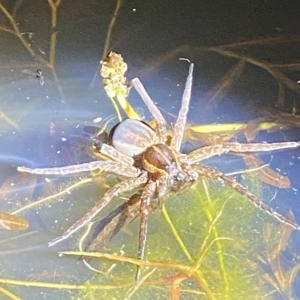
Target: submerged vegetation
(205,243)
(205,246)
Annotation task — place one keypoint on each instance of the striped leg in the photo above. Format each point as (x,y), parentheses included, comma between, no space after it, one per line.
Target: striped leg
(212,173)
(119,188)
(107,166)
(209,151)
(146,197)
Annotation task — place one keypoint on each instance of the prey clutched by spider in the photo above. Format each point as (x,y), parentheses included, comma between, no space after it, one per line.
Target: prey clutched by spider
(150,159)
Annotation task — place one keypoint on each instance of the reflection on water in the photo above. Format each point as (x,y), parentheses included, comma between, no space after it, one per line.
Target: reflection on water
(210,227)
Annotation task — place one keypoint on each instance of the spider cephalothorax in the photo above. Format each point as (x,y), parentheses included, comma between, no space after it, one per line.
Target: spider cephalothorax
(151,161)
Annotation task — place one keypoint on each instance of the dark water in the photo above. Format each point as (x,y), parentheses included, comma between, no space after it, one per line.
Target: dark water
(44,125)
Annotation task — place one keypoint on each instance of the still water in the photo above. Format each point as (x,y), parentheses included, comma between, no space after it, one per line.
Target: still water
(246,65)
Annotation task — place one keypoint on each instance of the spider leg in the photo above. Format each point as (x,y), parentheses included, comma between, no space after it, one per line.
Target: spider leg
(146,197)
(110,225)
(212,173)
(116,155)
(181,119)
(160,120)
(119,188)
(209,151)
(260,147)
(205,152)
(107,166)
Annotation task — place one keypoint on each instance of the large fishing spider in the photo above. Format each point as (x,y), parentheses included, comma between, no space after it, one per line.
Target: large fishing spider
(151,159)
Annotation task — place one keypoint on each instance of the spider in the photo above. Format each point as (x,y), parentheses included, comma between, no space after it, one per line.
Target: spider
(151,159)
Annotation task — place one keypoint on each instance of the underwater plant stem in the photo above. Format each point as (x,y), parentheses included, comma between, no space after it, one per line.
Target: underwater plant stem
(175,291)
(220,251)
(7,30)
(176,234)
(54,6)
(9,120)
(116,108)
(17,32)
(134,289)
(9,294)
(199,276)
(108,38)
(110,29)
(60,90)
(275,73)
(225,83)
(51,63)
(124,259)
(118,258)
(64,286)
(130,112)
(53,39)
(81,182)
(53,44)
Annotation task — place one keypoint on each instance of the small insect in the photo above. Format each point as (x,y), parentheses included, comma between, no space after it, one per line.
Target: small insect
(39,74)
(150,159)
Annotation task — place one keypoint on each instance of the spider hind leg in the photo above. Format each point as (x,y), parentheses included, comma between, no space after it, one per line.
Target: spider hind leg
(146,197)
(215,174)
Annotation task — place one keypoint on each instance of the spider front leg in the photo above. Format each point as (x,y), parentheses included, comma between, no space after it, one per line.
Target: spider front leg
(146,197)
(106,166)
(160,120)
(215,174)
(119,188)
(182,115)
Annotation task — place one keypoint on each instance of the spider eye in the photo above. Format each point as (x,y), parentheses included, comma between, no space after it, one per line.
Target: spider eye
(132,137)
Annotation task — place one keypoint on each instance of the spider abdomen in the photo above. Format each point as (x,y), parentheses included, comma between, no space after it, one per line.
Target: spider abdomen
(132,137)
